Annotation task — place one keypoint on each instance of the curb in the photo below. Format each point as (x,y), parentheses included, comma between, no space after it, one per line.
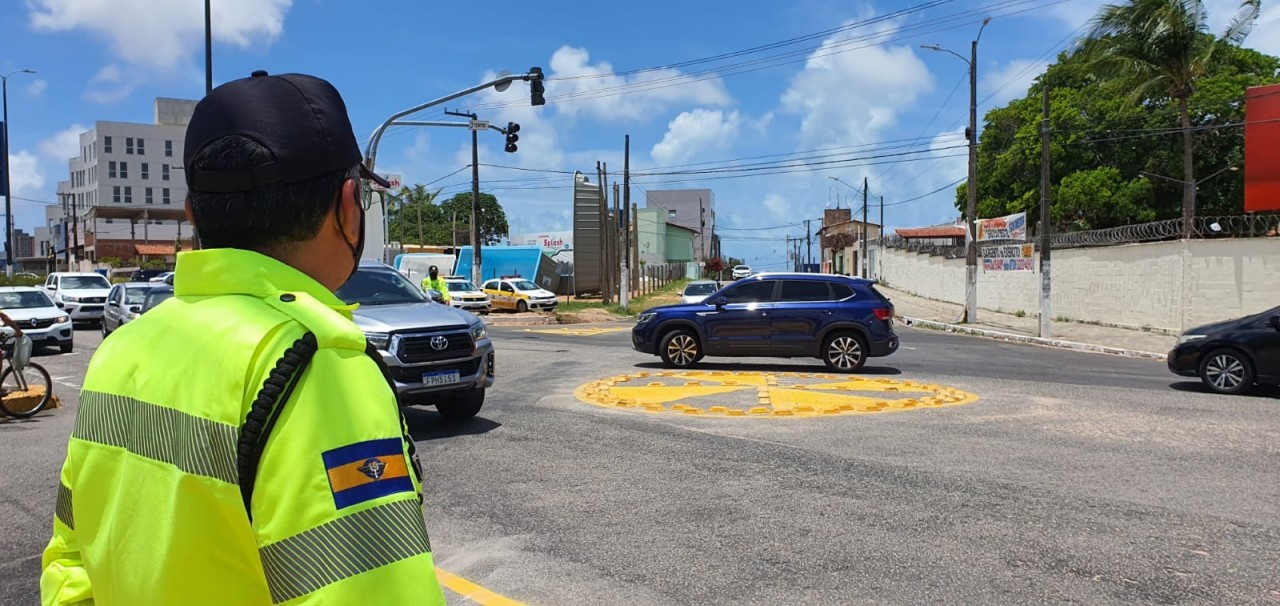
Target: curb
(1015,338)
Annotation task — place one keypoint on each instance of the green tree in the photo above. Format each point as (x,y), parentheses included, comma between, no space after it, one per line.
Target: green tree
(493,220)
(1097,125)
(1163,45)
(415,217)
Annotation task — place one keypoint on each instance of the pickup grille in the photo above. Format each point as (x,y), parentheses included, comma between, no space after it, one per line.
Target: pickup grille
(416,348)
(465,369)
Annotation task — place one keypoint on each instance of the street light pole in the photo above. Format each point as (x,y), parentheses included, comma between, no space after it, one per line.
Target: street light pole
(4,155)
(971,206)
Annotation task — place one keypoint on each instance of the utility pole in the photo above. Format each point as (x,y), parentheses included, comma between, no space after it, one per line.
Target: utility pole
(808,251)
(208,47)
(880,240)
(453,229)
(866,265)
(420,238)
(971,205)
(477,266)
(4,162)
(626,221)
(1046,227)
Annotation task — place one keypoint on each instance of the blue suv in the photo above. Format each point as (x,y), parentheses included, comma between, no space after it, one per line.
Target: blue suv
(840,320)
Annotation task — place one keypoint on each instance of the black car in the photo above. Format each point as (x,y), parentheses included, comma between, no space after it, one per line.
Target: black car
(145,275)
(1232,356)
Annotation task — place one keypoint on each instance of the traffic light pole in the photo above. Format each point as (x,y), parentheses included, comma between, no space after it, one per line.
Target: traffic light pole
(536,90)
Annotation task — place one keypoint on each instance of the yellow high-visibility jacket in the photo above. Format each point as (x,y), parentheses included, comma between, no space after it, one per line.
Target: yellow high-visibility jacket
(149,509)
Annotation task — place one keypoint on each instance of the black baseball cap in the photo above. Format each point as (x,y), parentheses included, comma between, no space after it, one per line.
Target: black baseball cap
(300,118)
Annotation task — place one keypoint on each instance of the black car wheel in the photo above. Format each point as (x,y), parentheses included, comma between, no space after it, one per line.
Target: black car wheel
(844,352)
(1227,371)
(521,306)
(680,349)
(103,324)
(66,347)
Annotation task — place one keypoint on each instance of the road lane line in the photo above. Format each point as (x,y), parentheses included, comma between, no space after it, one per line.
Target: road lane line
(471,591)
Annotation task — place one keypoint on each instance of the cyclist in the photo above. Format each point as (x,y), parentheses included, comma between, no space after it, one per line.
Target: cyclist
(7,350)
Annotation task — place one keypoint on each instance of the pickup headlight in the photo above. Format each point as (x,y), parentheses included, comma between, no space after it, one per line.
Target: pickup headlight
(478,331)
(1189,338)
(645,317)
(70,299)
(379,340)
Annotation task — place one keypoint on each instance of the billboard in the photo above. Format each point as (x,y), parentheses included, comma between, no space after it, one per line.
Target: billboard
(1262,149)
(1009,257)
(1009,227)
(550,241)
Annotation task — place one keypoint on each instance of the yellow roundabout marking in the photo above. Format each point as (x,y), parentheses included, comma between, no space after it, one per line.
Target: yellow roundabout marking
(766,394)
(579,332)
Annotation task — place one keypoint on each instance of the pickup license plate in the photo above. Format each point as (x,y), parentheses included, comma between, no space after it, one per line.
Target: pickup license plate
(447,377)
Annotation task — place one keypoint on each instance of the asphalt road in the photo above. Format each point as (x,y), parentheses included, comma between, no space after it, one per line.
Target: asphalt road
(1074,478)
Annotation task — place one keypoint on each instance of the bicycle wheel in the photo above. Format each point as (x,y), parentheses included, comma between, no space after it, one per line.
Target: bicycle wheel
(27,394)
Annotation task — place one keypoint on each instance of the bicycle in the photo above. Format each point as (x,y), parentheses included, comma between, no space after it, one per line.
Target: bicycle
(25,387)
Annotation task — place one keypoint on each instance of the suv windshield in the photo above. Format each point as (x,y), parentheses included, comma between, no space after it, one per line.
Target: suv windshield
(24,300)
(84,282)
(379,287)
(525,285)
(704,288)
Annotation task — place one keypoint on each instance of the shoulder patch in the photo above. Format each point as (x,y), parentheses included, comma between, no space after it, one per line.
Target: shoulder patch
(364,471)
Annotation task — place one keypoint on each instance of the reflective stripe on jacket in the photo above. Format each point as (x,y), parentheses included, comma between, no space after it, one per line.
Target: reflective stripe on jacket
(149,509)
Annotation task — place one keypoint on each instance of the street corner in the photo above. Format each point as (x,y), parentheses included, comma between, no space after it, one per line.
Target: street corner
(580,331)
(758,394)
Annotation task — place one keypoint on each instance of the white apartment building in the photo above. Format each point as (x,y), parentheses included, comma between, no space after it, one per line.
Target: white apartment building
(126,190)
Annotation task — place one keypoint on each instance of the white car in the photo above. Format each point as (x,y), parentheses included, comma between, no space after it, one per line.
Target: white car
(82,295)
(698,290)
(34,312)
(164,278)
(519,294)
(465,295)
(741,271)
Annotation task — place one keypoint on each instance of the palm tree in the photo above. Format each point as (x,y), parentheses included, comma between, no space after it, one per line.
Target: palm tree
(415,197)
(1163,44)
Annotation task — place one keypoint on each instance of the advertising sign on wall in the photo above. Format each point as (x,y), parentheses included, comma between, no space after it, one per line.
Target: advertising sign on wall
(549,241)
(1011,227)
(1010,257)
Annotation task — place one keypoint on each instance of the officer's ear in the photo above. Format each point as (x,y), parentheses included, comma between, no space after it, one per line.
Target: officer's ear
(348,209)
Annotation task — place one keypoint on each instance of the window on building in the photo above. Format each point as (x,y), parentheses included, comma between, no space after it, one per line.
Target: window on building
(124,170)
(168,148)
(128,145)
(164,172)
(111,169)
(142,149)
(115,194)
(164,196)
(128,195)
(106,145)
(146,170)
(148,196)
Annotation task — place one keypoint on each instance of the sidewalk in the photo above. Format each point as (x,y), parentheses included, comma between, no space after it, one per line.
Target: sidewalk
(1070,335)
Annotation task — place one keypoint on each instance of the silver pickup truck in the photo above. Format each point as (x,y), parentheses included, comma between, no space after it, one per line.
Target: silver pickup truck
(437,355)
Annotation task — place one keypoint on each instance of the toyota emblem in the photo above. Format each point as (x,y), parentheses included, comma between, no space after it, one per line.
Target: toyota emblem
(439,343)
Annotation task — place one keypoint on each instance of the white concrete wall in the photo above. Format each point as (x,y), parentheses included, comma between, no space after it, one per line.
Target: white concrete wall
(1167,286)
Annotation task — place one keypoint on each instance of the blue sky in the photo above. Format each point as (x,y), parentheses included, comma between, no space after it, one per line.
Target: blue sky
(868,90)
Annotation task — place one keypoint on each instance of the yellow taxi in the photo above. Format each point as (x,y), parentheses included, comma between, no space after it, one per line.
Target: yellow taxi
(519,294)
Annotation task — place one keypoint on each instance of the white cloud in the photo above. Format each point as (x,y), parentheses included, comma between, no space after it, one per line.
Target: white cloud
(850,97)
(593,88)
(64,144)
(161,34)
(110,85)
(1010,81)
(778,205)
(25,178)
(37,88)
(696,132)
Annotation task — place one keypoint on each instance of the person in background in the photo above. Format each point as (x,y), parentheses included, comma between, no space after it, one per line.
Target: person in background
(434,282)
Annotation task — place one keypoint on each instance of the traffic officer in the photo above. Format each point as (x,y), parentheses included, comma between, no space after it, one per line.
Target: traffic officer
(434,282)
(238,444)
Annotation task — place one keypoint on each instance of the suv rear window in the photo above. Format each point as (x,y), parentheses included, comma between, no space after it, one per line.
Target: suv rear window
(840,292)
(805,291)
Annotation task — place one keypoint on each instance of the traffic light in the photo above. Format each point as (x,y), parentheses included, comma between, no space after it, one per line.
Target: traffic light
(535,87)
(512,137)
